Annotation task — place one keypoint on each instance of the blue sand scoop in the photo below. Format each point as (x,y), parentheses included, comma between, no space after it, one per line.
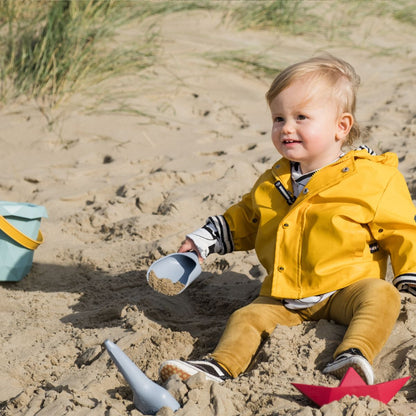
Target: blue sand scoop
(177,267)
(148,397)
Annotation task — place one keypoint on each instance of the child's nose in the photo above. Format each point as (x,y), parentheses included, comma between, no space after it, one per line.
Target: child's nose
(288,127)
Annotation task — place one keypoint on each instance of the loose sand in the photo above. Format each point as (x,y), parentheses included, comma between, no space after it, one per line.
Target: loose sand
(164,284)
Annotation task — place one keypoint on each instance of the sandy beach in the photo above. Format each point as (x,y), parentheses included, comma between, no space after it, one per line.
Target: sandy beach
(125,178)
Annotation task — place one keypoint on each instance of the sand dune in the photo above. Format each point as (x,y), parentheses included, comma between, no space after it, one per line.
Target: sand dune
(123,188)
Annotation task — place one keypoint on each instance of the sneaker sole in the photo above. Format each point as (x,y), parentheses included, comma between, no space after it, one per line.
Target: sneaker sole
(183,371)
(357,364)
(340,373)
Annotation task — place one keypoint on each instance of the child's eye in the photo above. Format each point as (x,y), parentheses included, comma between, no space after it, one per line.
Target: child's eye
(301,117)
(278,119)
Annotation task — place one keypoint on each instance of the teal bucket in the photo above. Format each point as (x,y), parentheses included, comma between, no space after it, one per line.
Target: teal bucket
(19,237)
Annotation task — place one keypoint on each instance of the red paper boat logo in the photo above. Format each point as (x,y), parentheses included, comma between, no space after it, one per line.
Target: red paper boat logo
(353,385)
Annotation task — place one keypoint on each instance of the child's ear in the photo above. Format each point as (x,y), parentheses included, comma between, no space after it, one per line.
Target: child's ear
(344,124)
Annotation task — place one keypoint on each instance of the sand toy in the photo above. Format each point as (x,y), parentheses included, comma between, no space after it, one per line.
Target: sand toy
(172,274)
(148,396)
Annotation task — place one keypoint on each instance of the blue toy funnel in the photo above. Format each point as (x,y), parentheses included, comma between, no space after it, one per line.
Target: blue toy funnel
(148,397)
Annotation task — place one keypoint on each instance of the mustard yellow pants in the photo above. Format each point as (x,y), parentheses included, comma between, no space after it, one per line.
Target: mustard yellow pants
(369,308)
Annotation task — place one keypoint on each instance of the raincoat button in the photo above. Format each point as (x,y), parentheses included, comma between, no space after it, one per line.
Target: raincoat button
(305,190)
(345,169)
(281,268)
(285,225)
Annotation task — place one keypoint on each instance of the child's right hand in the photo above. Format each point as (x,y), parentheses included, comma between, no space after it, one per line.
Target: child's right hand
(189,245)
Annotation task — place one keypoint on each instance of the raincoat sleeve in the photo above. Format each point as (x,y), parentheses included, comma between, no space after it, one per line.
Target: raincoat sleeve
(213,237)
(242,220)
(236,229)
(394,227)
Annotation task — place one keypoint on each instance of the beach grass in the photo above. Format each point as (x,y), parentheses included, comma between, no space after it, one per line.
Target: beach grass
(253,64)
(48,48)
(279,15)
(162,7)
(298,17)
(333,21)
(406,13)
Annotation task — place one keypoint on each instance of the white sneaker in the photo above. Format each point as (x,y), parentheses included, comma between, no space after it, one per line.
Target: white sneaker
(185,369)
(351,358)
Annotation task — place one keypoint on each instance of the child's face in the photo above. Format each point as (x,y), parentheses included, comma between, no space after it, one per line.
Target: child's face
(307,125)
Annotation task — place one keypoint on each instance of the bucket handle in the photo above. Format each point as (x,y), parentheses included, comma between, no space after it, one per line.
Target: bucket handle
(18,236)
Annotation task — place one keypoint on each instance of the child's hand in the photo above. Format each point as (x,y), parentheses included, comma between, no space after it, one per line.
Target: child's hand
(189,245)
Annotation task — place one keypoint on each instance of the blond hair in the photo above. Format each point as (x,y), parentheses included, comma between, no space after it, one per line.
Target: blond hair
(339,75)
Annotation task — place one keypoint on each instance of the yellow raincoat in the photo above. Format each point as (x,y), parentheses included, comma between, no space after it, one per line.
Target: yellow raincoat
(341,229)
